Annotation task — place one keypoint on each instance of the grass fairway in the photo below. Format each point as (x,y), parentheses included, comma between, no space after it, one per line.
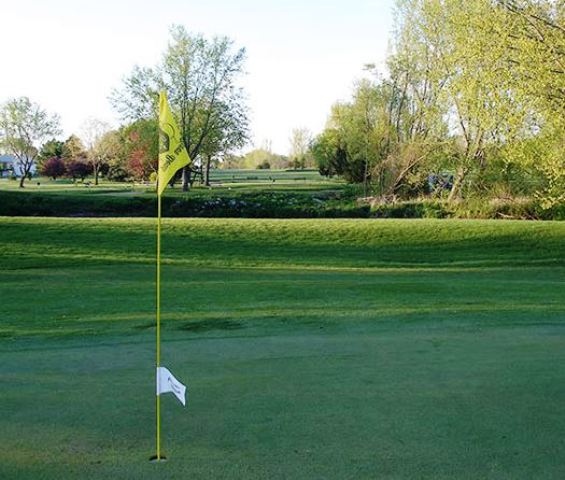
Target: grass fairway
(311,349)
(224,182)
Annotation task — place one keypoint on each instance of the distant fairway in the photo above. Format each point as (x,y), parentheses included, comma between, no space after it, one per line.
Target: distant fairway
(312,349)
(250,180)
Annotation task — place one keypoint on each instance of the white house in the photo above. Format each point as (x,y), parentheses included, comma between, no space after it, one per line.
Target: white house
(9,166)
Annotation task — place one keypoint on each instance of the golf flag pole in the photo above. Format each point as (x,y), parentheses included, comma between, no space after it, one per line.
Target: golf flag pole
(158,329)
(172,157)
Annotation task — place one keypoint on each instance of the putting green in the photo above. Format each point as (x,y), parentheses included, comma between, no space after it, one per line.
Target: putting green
(311,349)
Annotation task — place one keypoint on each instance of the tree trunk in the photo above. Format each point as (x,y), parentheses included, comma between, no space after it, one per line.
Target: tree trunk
(366,177)
(207,171)
(457,185)
(96,171)
(186,179)
(22,180)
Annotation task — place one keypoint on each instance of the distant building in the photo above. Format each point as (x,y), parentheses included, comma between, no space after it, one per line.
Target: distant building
(9,166)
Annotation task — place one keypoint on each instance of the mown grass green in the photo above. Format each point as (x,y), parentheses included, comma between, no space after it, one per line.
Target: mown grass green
(312,349)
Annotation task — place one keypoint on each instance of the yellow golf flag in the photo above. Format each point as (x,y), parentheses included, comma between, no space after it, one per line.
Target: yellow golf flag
(172,153)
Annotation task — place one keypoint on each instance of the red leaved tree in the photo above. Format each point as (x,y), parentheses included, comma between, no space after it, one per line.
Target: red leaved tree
(53,167)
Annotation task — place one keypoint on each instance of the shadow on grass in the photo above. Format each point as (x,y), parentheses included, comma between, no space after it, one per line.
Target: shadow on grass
(210,325)
(27,243)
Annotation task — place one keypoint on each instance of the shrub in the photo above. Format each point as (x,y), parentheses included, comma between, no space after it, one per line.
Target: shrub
(53,167)
(116,173)
(78,169)
(415,209)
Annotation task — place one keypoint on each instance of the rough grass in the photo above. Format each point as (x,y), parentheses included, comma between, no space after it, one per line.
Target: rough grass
(311,349)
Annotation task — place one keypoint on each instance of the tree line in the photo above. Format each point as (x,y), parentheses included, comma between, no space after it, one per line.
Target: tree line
(201,77)
(473,104)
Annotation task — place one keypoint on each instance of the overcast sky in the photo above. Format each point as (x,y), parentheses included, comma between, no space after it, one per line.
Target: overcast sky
(303,55)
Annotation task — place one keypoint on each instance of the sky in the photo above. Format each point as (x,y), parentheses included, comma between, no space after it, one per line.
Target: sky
(302,56)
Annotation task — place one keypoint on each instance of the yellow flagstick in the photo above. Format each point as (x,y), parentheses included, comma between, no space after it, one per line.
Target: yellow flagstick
(172,157)
(158,321)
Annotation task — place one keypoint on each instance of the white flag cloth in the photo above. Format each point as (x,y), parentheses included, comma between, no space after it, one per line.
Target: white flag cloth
(166,382)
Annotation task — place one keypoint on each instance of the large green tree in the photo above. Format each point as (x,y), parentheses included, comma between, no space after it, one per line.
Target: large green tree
(51,149)
(469,69)
(357,139)
(73,150)
(475,90)
(536,48)
(141,148)
(536,54)
(24,127)
(201,78)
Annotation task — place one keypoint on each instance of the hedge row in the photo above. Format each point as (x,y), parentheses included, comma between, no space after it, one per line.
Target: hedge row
(245,206)
(263,205)
(478,209)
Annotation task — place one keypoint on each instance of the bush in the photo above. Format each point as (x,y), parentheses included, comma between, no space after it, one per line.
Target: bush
(516,208)
(476,208)
(416,209)
(267,205)
(79,169)
(116,173)
(248,205)
(53,167)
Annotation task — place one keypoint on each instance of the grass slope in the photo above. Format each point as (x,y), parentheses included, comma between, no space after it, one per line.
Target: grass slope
(312,349)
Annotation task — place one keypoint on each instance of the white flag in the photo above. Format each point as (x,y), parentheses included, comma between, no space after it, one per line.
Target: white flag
(166,382)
